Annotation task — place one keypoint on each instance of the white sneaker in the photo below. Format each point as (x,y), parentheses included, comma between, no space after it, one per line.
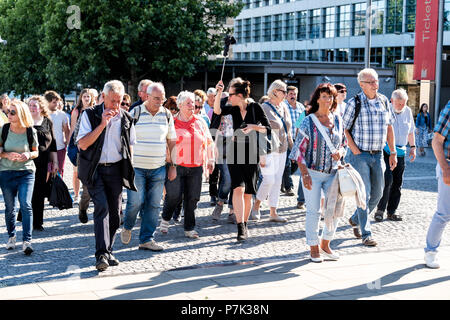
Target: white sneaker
(191,234)
(255,215)
(11,243)
(125,236)
(76,199)
(431,260)
(333,256)
(151,245)
(27,248)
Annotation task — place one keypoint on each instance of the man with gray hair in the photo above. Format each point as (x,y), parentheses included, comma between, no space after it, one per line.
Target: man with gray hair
(142,93)
(209,103)
(404,132)
(155,130)
(105,139)
(368,121)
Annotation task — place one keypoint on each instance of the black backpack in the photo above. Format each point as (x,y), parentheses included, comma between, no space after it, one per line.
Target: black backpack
(5,132)
(358,110)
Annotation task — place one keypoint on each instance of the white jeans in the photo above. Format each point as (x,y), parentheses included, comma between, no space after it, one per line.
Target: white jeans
(272,175)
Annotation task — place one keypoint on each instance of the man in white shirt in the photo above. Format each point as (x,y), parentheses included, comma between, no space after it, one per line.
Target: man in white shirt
(61,127)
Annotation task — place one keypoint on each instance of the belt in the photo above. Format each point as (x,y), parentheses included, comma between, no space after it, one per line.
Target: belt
(371,151)
(108,164)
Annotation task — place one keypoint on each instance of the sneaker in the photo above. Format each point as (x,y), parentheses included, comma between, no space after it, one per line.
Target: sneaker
(191,234)
(102,263)
(301,205)
(113,261)
(82,216)
(355,229)
(289,192)
(164,226)
(11,243)
(231,218)
(431,260)
(394,217)
(75,199)
(255,215)
(150,245)
(125,236)
(217,212)
(369,242)
(27,248)
(277,219)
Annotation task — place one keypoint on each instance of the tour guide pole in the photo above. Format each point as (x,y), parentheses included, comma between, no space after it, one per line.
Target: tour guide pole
(229,40)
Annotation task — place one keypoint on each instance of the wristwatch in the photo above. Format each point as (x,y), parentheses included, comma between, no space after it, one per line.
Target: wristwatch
(173,164)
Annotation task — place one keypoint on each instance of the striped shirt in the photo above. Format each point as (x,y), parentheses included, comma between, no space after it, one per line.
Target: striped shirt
(152,133)
(370,130)
(443,127)
(295,115)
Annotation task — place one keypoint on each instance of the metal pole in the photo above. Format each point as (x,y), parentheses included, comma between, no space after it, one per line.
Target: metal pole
(439,61)
(368,33)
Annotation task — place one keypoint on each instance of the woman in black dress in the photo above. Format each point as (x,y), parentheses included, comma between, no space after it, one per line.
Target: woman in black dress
(250,125)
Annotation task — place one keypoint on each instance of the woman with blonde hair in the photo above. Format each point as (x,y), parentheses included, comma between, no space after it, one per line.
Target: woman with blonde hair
(18,146)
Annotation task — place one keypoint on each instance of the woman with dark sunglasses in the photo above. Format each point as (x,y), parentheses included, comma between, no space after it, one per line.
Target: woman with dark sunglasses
(126,102)
(341,96)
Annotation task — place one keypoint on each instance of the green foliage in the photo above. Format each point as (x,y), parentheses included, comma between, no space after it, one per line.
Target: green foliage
(118,39)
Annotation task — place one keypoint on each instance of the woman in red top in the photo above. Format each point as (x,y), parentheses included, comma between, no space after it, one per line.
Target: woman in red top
(194,150)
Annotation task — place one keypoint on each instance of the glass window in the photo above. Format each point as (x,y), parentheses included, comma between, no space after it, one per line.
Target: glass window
(289,26)
(378,16)
(376,56)
(277,27)
(359,19)
(288,55)
(342,55)
(314,24)
(267,28)
(255,56)
(275,1)
(394,16)
(247,30)
(246,56)
(409,53)
(276,55)
(237,56)
(256,3)
(247,4)
(358,55)
(266,2)
(447,15)
(302,21)
(238,31)
(327,55)
(266,55)
(393,54)
(313,55)
(411,15)
(257,29)
(329,23)
(300,55)
(344,21)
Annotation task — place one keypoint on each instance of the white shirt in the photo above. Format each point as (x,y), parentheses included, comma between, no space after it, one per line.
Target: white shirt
(112,146)
(59,119)
(340,109)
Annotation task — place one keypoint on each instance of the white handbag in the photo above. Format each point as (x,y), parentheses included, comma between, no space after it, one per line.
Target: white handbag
(347,186)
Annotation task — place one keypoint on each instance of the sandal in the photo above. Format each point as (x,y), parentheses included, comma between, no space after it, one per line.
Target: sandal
(379,216)
(164,226)
(394,217)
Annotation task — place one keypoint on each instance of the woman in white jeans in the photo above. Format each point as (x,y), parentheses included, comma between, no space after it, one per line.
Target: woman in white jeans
(272,174)
(318,165)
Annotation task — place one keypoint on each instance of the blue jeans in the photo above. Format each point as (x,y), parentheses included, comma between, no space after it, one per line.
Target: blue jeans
(18,183)
(224,181)
(371,167)
(150,184)
(442,215)
(320,182)
(300,194)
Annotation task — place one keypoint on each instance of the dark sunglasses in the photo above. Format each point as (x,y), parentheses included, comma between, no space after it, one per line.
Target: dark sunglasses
(198,107)
(342,91)
(12,112)
(125,104)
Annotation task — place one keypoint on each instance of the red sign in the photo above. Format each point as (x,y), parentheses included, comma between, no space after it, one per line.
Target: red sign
(427,17)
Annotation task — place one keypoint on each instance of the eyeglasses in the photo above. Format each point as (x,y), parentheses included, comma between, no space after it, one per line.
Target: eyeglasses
(158,99)
(125,104)
(12,112)
(342,91)
(198,107)
(371,82)
(284,92)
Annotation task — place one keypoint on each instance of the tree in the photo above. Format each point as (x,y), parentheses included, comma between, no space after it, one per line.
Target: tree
(126,40)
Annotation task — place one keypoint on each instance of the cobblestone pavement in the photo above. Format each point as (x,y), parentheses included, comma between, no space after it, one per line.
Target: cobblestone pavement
(67,247)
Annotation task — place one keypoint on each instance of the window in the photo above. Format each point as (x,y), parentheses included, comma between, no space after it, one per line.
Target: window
(288,55)
(447,15)
(378,16)
(289,26)
(256,3)
(358,55)
(342,55)
(411,15)
(314,24)
(238,31)
(266,2)
(237,56)
(301,25)
(277,27)
(359,19)
(394,14)
(313,55)
(329,23)
(266,28)
(257,29)
(266,55)
(409,53)
(247,30)
(246,4)
(393,54)
(344,21)
(300,55)
(255,56)
(376,56)
(327,55)
(275,1)
(276,55)
(246,56)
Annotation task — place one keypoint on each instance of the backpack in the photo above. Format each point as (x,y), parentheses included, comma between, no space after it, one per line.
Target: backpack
(358,110)
(5,131)
(137,114)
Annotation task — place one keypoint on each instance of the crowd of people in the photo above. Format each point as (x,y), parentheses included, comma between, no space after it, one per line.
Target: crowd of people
(163,149)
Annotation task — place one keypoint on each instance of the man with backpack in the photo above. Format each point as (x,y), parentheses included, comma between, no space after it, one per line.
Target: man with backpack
(368,120)
(155,131)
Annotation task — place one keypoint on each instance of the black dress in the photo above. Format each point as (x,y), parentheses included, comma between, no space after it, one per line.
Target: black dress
(243,154)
